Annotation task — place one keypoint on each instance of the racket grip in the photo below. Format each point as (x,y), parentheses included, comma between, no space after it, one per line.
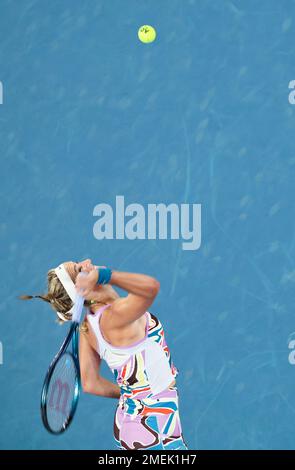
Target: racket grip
(78,306)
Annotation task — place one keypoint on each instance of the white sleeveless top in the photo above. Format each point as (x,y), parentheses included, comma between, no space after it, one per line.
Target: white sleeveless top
(145,364)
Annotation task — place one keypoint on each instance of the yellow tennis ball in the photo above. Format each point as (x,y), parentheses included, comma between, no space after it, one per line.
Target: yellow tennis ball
(147,34)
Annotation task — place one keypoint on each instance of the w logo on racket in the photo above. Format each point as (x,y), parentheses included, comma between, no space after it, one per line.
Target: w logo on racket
(59,390)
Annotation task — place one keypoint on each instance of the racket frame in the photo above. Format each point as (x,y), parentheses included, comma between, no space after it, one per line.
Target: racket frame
(73,336)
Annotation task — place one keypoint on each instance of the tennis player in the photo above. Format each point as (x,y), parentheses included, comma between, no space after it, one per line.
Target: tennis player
(131,340)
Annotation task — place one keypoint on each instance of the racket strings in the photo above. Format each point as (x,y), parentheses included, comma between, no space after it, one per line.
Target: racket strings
(62,393)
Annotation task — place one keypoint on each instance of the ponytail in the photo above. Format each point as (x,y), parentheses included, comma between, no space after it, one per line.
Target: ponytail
(29,297)
(58,299)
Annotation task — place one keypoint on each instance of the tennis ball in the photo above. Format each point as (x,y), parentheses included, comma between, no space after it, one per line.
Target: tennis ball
(147,34)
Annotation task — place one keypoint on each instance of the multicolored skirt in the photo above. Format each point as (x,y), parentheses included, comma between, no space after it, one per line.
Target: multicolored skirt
(149,422)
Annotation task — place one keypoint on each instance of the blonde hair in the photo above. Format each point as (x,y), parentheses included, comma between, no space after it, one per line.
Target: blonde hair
(58,298)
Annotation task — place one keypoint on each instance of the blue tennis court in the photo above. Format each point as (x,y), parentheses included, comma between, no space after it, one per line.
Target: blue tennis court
(202,116)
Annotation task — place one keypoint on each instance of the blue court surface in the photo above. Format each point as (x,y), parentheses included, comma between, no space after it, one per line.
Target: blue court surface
(203,116)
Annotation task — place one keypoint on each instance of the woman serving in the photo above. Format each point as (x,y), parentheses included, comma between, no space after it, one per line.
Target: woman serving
(131,340)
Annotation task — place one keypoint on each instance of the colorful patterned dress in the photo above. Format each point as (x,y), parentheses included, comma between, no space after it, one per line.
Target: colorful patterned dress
(147,415)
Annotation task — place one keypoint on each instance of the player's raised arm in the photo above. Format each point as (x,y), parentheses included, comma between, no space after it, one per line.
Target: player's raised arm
(142,290)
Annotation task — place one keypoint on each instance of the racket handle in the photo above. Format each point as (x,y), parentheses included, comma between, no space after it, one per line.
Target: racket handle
(78,306)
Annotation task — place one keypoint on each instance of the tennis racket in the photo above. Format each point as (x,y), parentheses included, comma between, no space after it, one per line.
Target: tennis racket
(61,387)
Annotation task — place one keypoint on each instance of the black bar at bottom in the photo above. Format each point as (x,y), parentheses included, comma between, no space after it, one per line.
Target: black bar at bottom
(130,459)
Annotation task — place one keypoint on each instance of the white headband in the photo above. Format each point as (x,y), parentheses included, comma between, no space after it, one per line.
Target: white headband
(69,286)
